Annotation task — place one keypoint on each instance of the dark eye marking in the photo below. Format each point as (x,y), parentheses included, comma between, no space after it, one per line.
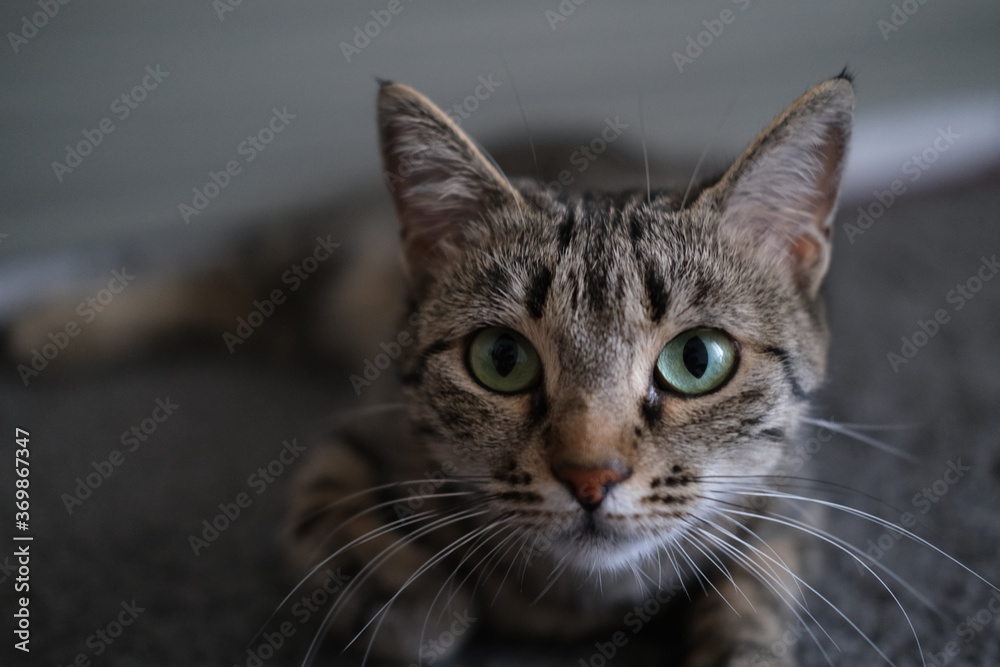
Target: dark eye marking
(786,364)
(539,406)
(652,408)
(774,433)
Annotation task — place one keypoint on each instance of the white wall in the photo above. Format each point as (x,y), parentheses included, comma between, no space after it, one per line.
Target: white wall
(940,68)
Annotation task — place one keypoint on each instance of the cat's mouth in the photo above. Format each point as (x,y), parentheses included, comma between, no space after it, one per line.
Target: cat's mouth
(591,528)
(604,541)
(623,528)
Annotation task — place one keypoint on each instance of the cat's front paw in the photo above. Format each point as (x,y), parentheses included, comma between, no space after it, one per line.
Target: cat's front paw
(401,601)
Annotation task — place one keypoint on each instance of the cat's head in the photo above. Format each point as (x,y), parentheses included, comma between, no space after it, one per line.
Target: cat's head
(612,367)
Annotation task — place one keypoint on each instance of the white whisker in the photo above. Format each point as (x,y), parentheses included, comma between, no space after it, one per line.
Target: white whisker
(645,154)
(362,576)
(557,571)
(430,563)
(885,523)
(524,119)
(375,508)
(668,548)
(707,553)
(704,578)
(367,537)
(510,567)
(778,587)
(484,538)
(708,147)
(854,434)
(792,523)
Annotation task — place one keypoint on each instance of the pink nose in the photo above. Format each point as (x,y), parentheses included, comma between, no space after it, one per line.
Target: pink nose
(589,485)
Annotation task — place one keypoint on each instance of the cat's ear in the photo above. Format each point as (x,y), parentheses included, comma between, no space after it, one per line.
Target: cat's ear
(781,194)
(442,184)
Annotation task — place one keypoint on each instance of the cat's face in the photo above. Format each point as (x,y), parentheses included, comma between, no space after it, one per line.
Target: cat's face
(610,370)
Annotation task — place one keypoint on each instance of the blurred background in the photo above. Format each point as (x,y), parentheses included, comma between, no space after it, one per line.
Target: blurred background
(157,136)
(709,75)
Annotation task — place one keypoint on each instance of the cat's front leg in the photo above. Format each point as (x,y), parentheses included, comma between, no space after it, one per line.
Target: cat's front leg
(745,621)
(348,516)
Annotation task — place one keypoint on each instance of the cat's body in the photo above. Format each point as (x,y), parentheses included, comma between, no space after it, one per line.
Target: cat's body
(597,391)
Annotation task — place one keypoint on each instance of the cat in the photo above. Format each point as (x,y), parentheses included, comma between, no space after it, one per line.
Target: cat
(597,389)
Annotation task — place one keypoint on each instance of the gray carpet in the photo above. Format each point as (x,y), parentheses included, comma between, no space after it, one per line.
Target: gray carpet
(129,541)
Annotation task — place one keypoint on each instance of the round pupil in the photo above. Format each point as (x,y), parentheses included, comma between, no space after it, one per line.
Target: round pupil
(695,356)
(504,355)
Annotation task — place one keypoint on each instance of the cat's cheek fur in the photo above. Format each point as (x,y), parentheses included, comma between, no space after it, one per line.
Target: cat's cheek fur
(465,424)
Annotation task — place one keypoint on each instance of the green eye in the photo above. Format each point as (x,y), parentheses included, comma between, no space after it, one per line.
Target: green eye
(696,361)
(504,361)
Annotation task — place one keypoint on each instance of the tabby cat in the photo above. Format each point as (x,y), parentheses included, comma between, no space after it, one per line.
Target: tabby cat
(597,389)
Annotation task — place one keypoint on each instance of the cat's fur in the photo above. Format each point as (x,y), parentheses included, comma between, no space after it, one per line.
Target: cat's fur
(598,284)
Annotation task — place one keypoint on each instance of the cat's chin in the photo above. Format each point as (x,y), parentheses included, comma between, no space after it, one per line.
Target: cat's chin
(598,547)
